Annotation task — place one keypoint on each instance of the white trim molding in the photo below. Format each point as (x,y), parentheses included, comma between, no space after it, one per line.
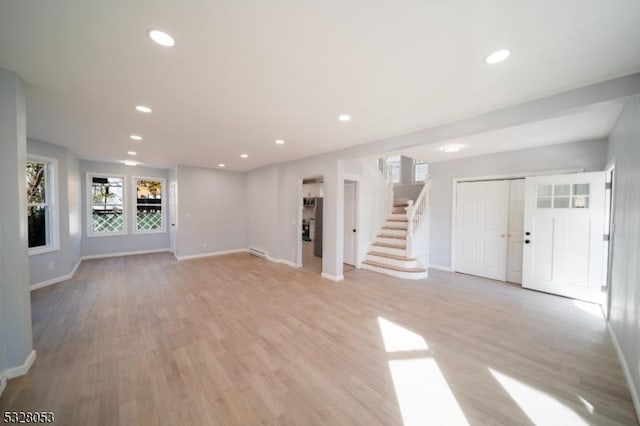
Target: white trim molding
(89,205)
(23,369)
(134,204)
(440,268)
(210,254)
(625,369)
(52,190)
(3,382)
(56,280)
(332,277)
(283,261)
(125,253)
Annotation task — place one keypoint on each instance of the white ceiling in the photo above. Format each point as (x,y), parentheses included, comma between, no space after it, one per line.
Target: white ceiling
(594,122)
(244,73)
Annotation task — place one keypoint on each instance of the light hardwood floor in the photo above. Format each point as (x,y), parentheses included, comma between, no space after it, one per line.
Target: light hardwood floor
(239,340)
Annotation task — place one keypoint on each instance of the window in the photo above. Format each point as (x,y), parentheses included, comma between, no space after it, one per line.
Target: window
(42,214)
(107,208)
(149,205)
(420,171)
(563,196)
(395,167)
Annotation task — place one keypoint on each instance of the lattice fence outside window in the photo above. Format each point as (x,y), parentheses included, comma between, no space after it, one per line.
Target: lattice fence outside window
(111,222)
(149,221)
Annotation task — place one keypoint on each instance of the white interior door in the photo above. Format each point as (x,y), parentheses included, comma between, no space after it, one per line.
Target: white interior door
(481,228)
(173,214)
(350,223)
(516,231)
(564,224)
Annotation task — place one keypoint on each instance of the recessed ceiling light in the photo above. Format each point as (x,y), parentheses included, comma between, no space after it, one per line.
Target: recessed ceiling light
(497,56)
(143,108)
(132,153)
(130,163)
(161,38)
(452,148)
(344,118)
(244,155)
(222,165)
(135,137)
(279,141)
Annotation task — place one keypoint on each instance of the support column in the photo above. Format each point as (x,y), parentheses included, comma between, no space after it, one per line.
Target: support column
(15,304)
(333,251)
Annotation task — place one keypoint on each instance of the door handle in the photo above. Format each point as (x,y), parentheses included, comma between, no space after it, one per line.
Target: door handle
(527,241)
(354,230)
(527,233)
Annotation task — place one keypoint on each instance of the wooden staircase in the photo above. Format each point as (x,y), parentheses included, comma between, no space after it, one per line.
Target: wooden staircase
(388,253)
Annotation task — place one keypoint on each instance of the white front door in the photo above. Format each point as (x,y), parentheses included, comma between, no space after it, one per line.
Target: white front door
(350,223)
(564,224)
(481,228)
(516,231)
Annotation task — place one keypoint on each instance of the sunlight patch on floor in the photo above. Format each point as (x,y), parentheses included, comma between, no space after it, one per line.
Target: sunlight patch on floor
(541,408)
(423,394)
(399,339)
(591,308)
(424,397)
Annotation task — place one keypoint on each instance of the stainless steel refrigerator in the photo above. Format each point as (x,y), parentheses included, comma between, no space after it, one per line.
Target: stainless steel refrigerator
(317,239)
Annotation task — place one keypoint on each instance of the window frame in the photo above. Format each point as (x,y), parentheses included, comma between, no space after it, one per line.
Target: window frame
(413,172)
(125,208)
(399,182)
(134,200)
(51,196)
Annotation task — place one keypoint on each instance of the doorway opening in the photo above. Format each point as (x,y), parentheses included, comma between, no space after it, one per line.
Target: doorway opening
(311,220)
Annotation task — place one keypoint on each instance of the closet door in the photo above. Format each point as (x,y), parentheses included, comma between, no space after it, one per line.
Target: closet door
(515,237)
(482,210)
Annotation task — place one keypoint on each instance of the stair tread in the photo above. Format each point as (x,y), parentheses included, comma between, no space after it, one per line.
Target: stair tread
(397,220)
(401,205)
(395,237)
(393,267)
(391,256)
(390,245)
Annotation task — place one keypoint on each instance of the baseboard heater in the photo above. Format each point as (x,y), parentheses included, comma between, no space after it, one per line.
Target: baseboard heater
(257,252)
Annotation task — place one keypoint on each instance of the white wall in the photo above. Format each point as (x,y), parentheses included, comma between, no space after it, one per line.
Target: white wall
(211,211)
(374,201)
(589,155)
(48,266)
(92,246)
(624,148)
(15,303)
(263,207)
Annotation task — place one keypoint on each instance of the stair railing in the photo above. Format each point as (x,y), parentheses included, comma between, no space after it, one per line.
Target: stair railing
(417,212)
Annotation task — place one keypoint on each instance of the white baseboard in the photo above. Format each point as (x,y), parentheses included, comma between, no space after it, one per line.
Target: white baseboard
(625,370)
(3,383)
(23,369)
(213,253)
(332,277)
(56,280)
(283,261)
(290,263)
(125,253)
(441,268)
